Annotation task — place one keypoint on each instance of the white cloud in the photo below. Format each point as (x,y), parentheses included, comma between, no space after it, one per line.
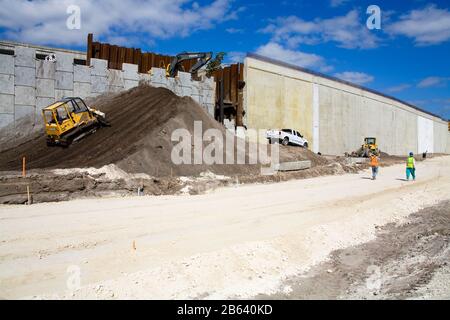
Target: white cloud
(44,21)
(355,77)
(428,26)
(347,31)
(301,59)
(399,88)
(431,82)
(337,3)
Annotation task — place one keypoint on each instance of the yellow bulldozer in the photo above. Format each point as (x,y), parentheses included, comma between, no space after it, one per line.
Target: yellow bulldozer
(69,120)
(369,146)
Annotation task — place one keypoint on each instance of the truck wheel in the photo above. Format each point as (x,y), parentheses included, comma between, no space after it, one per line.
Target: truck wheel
(285,141)
(305,145)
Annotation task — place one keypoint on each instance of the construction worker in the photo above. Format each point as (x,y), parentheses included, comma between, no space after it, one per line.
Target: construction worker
(374,164)
(411,167)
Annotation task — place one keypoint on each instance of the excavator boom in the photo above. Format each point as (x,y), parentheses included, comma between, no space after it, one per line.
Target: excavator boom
(202,59)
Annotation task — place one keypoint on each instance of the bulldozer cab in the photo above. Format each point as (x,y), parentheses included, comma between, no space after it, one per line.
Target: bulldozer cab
(57,119)
(370,141)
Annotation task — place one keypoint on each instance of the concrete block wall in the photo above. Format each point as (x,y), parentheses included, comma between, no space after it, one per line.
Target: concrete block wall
(27,85)
(6,89)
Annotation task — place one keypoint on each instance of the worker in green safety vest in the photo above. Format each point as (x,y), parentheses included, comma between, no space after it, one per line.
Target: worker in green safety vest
(411,167)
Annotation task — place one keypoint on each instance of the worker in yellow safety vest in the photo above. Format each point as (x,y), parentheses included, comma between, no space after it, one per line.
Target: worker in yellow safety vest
(374,163)
(411,167)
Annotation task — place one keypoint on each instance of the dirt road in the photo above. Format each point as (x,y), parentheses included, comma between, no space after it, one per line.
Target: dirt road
(234,242)
(407,261)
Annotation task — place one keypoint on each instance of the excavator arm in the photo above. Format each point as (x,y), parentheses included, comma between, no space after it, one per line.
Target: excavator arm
(202,59)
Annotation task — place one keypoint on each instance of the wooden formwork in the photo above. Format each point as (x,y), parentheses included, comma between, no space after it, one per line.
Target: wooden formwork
(232,76)
(117,55)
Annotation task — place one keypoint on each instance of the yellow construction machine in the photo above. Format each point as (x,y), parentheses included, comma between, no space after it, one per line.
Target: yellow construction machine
(69,120)
(369,146)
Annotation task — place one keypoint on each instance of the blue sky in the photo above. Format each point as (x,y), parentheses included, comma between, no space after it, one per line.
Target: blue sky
(408,58)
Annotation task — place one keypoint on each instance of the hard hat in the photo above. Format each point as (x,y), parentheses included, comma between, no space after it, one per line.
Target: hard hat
(411,154)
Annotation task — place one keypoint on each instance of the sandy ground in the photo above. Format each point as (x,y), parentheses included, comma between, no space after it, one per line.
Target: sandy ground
(405,261)
(234,242)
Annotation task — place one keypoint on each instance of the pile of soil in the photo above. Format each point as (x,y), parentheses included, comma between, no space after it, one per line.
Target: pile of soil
(138,141)
(142,120)
(294,153)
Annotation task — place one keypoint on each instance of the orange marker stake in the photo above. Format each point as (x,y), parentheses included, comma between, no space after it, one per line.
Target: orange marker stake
(23,167)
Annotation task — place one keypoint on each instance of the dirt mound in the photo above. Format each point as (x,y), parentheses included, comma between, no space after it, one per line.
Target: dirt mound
(139,139)
(293,153)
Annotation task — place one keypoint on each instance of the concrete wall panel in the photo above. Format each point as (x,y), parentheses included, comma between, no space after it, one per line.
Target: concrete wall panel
(184,77)
(6,84)
(114,89)
(82,74)
(158,76)
(448,143)
(128,84)
(21,112)
(186,91)
(208,96)
(130,71)
(6,119)
(6,103)
(146,78)
(25,57)
(45,69)
(99,67)
(64,62)
(425,135)
(346,118)
(25,76)
(45,88)
(64,80)
(59,94)
(42,102)
(6,64)
(115,78)
(25,96)
(99,84)
(316,118)
(82,90)
(440,137)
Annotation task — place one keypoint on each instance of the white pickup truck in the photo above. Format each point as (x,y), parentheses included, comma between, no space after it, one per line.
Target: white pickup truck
(286,137)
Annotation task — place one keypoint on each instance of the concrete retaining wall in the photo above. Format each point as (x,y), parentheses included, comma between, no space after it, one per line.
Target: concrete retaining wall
(275,97)
(448,143)
(335,117)
(27,84)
